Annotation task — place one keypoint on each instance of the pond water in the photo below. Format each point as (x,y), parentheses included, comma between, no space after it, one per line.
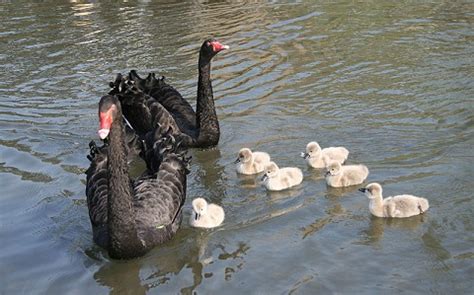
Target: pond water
(391,81)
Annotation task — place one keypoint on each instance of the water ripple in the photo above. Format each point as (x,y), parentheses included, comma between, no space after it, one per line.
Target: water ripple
(390,81)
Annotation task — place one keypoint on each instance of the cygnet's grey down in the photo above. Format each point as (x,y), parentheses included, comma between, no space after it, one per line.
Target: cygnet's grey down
(319,158)
(206,215)
(396,206)
(347,175)
(249,162)
(277,179)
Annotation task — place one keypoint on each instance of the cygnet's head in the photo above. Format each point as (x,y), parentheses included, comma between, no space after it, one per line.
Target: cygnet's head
(333,168)
(271,170)
(312,150)
(372,190)
(245,155)
(199,207)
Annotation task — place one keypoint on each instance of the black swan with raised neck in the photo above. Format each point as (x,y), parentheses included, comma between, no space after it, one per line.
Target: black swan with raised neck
(130,217)
(198,128)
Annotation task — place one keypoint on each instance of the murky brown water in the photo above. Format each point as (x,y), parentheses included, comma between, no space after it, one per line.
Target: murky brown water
(392,81)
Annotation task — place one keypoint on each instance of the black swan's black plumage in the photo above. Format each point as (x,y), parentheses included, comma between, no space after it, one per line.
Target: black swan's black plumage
(144,113)
(197,129)
(131,217)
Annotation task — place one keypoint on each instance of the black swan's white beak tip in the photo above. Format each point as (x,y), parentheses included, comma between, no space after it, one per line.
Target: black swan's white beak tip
(103,133)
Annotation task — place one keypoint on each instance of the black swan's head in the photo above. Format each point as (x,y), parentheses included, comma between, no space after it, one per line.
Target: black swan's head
(210,48)
(109,110)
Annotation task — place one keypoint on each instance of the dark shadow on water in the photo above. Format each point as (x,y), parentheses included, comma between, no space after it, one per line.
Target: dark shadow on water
(190,249)
(123,277)
(237,256)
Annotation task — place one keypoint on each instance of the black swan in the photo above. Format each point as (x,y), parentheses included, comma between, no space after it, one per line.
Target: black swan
(198,129)
(131,217)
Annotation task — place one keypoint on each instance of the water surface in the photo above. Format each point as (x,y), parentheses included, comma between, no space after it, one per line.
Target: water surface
(393,82)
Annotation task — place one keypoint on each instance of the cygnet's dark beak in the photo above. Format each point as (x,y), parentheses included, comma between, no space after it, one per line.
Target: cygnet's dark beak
(363,190)
(305,155)
(196,217)
(327,173)
(264,177)
(237,161)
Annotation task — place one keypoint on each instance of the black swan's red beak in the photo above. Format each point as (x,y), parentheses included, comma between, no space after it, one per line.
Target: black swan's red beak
(217,46)
(105,121)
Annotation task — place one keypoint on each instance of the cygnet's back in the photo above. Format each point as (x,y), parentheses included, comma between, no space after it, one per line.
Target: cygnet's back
(261,158)
(405,206)
(338,154)
(347,175)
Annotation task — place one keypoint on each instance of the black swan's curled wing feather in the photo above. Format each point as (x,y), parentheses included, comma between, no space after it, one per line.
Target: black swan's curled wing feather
(170,99)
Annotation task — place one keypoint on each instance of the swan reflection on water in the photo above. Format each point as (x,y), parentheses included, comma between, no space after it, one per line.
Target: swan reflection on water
(285,194)
(190,250)
(375,231)
(249,181)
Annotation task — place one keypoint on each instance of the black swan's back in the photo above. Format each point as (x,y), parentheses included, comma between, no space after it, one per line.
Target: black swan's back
(159,199)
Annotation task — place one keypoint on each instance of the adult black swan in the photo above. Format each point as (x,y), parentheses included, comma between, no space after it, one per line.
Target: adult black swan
(131,217)
(198,129)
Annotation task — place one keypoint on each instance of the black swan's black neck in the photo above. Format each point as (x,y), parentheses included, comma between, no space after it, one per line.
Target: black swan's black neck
(124,241)
(206,116)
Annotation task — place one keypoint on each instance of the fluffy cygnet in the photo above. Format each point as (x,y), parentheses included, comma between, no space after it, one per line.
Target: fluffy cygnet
(397,206)
(319,158)
(277,179)
(206,215)
(250,162)
(340,176)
